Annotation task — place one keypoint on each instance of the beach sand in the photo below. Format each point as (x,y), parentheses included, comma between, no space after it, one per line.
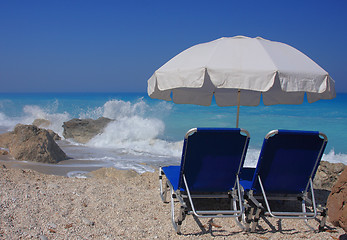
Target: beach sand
(113,204)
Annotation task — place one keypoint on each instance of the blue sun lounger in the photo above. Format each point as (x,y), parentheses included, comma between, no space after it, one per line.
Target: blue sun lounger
(286,167)
(210,165)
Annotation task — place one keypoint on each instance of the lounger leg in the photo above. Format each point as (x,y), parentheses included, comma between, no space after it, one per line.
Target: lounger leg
(303,206)
(180,219)
(163,191)
(181,215)
(259,210)
(173,210)
(248,215)
(256,219)
(234,196)
(322,222)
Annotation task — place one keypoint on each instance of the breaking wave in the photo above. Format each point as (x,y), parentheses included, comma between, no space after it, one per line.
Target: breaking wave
(133,130)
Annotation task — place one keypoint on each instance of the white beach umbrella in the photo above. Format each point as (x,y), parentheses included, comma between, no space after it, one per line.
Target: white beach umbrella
(237,71)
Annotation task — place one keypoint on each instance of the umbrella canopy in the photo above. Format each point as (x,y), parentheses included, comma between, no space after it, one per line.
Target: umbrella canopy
(238,71)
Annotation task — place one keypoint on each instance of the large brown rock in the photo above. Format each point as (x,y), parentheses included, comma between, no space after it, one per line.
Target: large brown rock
(30,143)
(82,130)
(5,139)
(44,123)
(337,202)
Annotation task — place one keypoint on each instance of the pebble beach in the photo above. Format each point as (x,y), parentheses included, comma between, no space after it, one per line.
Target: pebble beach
(115,204)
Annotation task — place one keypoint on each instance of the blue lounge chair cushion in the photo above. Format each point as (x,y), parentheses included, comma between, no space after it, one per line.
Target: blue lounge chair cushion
(172,173)
(286,162)
(211,159)
(246,176)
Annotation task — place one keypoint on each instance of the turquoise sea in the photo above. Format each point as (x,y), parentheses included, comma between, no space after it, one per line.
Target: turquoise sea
(149,132)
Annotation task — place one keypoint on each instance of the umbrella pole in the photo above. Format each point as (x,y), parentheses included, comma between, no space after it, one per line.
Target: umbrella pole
(238,108)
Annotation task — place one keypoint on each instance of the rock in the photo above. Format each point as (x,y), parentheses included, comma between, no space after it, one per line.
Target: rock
(5,139)
(43,237)
(82,130)
(54,135)
(337,202)
(30,143)
(3,152)
(327,174)
(44,123)
(41,123)
(87,222)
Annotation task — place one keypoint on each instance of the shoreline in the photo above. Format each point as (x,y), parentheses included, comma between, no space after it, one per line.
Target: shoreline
(60,169)
(114,204)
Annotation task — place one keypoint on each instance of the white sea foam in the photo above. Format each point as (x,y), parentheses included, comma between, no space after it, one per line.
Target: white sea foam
(116,109)
(5,122)
(335,157)
(136,135)
(32,112)
(131,131)
(56,120)
(77,174)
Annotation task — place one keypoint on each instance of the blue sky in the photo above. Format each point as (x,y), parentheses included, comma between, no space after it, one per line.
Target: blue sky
(115,46)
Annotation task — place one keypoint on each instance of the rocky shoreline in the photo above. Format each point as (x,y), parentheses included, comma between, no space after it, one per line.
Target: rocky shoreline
(36,143)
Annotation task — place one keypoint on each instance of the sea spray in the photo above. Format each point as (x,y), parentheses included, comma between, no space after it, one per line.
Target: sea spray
(335,157)
(5,122)
(56,120)
(132,132)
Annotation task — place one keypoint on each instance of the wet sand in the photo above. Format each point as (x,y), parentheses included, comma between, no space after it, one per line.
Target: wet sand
(61,169)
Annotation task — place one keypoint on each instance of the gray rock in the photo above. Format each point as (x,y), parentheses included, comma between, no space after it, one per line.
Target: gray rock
(54,135)
(43,237)
(82,130)
(327,175)
(87,222)
(30,143)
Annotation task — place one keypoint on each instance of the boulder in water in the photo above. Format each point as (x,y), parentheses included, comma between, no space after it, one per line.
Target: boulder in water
(30,143)
(82,130)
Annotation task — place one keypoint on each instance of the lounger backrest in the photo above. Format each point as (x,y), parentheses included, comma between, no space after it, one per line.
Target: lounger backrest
(212,158)
(287,160)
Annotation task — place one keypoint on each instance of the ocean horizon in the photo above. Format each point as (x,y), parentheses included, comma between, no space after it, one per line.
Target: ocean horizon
(149,132)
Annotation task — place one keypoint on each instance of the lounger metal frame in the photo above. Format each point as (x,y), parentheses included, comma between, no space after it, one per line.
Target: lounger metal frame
(235,195)
(303,197)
